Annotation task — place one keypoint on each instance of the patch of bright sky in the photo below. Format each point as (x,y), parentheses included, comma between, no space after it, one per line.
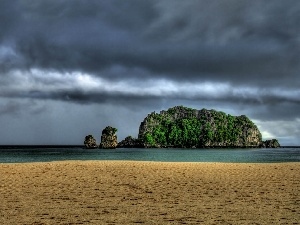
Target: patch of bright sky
(51,81)
(38,80)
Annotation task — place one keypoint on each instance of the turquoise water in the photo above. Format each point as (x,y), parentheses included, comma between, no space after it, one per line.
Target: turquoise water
(36,154)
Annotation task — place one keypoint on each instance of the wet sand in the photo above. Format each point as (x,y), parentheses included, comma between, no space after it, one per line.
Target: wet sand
(125,192)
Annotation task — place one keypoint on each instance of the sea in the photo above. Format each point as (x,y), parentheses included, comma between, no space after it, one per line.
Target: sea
(22,154)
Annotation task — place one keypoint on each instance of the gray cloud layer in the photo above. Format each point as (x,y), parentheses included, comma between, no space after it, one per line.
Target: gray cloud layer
(147,54)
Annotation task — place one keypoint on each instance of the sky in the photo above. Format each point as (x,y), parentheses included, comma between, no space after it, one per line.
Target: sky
(71,68)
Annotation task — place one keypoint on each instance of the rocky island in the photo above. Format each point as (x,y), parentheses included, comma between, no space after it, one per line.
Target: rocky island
(190,128)
(109,138)
(90,142)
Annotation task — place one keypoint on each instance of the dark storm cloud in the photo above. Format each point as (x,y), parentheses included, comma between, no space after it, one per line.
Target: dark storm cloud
(235,41)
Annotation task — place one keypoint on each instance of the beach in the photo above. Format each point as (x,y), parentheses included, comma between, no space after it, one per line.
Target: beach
(129,192)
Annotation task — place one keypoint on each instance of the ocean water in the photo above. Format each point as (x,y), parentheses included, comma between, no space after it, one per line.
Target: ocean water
(46,154)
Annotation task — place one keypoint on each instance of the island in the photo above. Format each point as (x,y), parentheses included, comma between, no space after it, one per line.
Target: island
(184,127)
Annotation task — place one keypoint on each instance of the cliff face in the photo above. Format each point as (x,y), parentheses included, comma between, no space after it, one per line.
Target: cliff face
(185,127)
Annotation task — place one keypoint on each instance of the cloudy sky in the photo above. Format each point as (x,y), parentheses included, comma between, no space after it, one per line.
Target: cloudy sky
(70,68)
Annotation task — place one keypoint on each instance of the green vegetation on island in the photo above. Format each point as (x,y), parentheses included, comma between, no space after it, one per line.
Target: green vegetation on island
(190,128)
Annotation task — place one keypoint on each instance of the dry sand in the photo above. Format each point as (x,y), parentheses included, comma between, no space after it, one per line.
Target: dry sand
(122,192)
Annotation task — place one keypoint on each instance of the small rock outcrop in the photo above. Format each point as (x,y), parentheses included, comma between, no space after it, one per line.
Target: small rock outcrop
(109,138)
(90,142)
(130,142)
(273,143)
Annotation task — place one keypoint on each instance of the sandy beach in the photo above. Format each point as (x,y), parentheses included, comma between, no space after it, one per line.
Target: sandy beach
(125,192)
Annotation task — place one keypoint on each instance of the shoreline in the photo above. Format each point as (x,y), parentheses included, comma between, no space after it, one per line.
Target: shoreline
(140,161)
(147,192)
